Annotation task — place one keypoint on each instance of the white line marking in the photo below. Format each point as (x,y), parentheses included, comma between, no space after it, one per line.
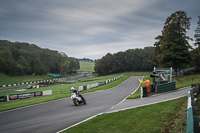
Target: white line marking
(96,114)
(137,87)
(79,123)
(118,111)
(145,104)
(126,96)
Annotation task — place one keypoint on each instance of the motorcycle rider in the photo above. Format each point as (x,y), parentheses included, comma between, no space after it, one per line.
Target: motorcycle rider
(73,89)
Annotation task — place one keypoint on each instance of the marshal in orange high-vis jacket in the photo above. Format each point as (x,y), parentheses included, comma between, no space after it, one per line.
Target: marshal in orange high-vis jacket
(148,83)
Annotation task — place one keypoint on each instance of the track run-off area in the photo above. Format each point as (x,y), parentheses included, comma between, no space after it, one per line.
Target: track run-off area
(59,115)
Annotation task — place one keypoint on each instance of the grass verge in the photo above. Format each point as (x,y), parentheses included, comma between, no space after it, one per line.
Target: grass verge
(178,119)
(197,103)
(151,119)
(186,80)
(6,79)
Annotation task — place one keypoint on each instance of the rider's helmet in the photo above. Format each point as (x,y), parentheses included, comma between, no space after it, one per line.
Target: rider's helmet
(72,89)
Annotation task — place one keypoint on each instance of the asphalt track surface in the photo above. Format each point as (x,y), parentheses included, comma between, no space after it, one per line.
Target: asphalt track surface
(153,99)
(56,115)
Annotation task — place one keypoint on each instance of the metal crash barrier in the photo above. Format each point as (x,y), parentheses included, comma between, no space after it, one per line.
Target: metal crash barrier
(169,86)
(86,87)
(192,117)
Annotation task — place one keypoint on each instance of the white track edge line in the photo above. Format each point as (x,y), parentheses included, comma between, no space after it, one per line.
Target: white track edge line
(96,114)
(79,122)
(126,96)
(145,104)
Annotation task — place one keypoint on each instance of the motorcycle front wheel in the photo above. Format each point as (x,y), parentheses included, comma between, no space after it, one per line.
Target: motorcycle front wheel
(84,101)
(76,102)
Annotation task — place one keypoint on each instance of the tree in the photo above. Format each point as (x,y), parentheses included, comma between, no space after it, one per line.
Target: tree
(7,63)
(173,43)
(138,56)
(23,58)
(37,66)
(197,34)
(147,60)
(104,65)
(74,65)
(22,66)
(130,60)
(196,51)
(65,67)
(157,50)
(97,66)
(118,63)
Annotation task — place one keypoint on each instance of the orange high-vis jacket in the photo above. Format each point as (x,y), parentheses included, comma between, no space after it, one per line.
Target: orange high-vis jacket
(147,82)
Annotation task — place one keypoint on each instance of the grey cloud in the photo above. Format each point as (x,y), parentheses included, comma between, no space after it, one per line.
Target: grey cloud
(87,27)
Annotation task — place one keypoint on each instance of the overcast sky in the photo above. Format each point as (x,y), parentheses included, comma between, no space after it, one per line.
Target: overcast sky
(90,28)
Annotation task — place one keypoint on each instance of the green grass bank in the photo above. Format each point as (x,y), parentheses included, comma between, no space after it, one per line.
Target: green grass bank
(86,66)
(6,79)
(147,119)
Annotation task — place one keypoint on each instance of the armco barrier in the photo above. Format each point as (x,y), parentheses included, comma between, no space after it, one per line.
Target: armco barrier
(94,85)
(165,87)
(31,82)
(24,95)
(88,86)
(3,98)
(48,92)
(81,88)
(192,118)
(60,80)
(85,87)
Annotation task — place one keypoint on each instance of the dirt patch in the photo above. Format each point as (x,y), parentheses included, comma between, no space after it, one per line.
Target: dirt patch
(178,119)
(197,103)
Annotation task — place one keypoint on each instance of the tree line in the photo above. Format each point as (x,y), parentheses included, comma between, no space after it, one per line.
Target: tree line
(171,49)
(19,58)
(130,60)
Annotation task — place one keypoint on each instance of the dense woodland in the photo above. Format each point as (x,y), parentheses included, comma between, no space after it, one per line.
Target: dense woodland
(24,59)
(130,60)
(171,49)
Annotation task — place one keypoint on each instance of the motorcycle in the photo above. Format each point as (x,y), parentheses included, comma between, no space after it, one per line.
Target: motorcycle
(77,98)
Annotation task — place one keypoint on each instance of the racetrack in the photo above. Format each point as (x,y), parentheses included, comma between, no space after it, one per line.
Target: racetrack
(56,115)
